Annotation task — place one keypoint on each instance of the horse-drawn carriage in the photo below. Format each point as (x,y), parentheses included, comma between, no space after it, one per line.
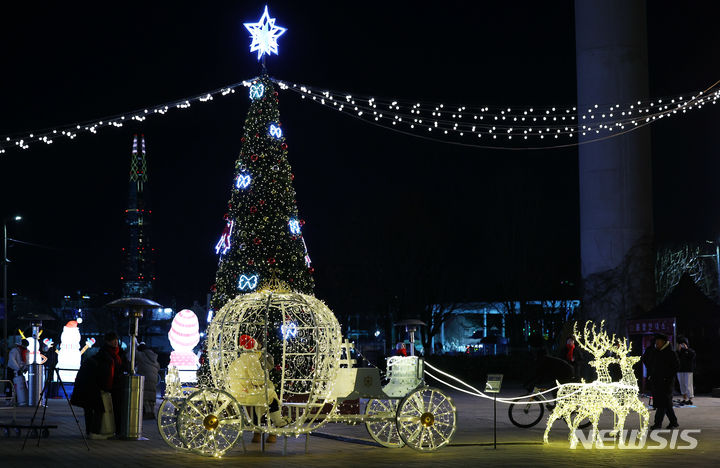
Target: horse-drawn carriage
(279,365)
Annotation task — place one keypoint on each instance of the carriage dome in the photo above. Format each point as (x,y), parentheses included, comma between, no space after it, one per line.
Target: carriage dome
(275,344)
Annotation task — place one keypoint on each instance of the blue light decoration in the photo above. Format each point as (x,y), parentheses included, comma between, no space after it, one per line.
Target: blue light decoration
(289,330)
(223,244)
(257,90)
(243,181)
(294,225)
(275,131)
(264,35)
(248,283)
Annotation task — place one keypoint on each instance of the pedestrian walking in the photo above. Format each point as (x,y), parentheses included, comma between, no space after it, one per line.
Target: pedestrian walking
(686,355)
(148,366)
(662,364)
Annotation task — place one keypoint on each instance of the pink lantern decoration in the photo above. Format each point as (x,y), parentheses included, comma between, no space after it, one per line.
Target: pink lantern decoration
(184,335)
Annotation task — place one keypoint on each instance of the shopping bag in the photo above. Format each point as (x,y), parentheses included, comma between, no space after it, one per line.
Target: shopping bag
(107,423)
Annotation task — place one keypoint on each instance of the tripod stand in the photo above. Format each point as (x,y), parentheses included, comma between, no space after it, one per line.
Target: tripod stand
(37,407)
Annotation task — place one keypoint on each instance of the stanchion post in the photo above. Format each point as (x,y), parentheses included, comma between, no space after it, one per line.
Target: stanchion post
(492,385)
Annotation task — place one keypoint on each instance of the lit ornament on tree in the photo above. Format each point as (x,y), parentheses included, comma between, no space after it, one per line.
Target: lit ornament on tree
(257,90)
(247,283)
(294,225)
(275,131)
(264,35)
(184,335)
(223,244)
(243,181)
(587,400)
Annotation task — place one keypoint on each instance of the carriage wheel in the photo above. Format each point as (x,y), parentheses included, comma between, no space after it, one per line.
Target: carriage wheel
(209,422)
(167,418)
(381,425)
(426,419)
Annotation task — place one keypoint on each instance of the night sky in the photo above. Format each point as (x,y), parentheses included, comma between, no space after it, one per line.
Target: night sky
(379,206)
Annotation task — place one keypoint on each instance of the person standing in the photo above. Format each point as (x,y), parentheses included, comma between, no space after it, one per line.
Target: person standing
(112,365)
(147,366)
(686,355)
(87,394)
(17,363)
(662,364)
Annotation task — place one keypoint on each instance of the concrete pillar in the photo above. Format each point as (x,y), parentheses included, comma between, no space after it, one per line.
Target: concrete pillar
(616,225)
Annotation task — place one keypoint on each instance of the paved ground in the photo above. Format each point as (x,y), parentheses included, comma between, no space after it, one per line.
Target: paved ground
(472,445)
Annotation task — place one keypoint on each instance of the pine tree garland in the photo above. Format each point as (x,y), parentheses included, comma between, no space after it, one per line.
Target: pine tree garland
(266,238)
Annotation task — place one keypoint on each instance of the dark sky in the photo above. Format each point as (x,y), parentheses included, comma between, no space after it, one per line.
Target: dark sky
(377,204)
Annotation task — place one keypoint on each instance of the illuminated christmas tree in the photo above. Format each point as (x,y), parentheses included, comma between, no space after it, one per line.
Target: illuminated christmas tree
(262,237)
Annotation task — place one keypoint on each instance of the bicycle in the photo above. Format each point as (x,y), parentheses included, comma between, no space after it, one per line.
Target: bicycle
(526,414)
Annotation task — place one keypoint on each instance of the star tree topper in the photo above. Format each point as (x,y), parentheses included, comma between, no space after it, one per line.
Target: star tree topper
(264,35)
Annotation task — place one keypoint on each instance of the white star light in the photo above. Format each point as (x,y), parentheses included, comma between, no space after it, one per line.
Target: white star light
(264,35)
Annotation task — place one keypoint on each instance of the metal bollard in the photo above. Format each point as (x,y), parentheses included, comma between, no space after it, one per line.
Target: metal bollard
(132,407)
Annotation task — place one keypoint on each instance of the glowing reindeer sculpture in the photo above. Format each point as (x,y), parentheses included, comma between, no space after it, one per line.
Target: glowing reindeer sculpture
(577,401)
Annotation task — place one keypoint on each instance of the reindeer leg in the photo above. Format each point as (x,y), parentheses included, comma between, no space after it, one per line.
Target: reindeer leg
(551,419)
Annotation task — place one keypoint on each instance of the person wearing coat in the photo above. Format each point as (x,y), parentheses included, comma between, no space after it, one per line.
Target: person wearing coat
(685,374)
(86,394)
(112,366)
(147,365)
(662,364)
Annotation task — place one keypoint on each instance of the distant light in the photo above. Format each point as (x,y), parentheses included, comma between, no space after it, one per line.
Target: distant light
(18,218)
(86,297)
(79,320)
(377,333)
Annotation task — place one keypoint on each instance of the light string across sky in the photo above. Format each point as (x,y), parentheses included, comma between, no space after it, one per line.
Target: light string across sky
(475,126)
(493,127)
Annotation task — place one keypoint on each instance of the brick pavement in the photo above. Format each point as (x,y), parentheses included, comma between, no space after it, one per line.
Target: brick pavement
(518,447)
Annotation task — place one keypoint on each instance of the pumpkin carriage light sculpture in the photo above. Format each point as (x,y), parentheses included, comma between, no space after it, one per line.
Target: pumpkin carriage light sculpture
(279,365)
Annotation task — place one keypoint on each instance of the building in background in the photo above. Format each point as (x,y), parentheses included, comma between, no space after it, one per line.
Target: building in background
(138,272)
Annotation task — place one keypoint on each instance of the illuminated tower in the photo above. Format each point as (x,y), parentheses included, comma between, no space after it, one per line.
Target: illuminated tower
(138,264)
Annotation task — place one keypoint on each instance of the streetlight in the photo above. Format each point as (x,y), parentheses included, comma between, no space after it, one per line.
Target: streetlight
(5,288)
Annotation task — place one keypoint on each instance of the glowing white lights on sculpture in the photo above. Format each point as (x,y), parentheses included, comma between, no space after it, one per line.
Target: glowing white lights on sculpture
(264,35)
(184,335)
(247,282)
(587,400)
(243,181)
(275,131)
(69,352)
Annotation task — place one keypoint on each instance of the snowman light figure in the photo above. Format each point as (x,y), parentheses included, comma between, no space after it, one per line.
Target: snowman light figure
(69,352)
(34,355)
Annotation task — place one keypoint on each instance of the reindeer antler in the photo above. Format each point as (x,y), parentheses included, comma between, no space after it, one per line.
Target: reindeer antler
(597,343)
(623,347)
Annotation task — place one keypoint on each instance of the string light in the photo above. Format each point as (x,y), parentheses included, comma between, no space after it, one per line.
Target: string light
(505,123)
(462,125)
